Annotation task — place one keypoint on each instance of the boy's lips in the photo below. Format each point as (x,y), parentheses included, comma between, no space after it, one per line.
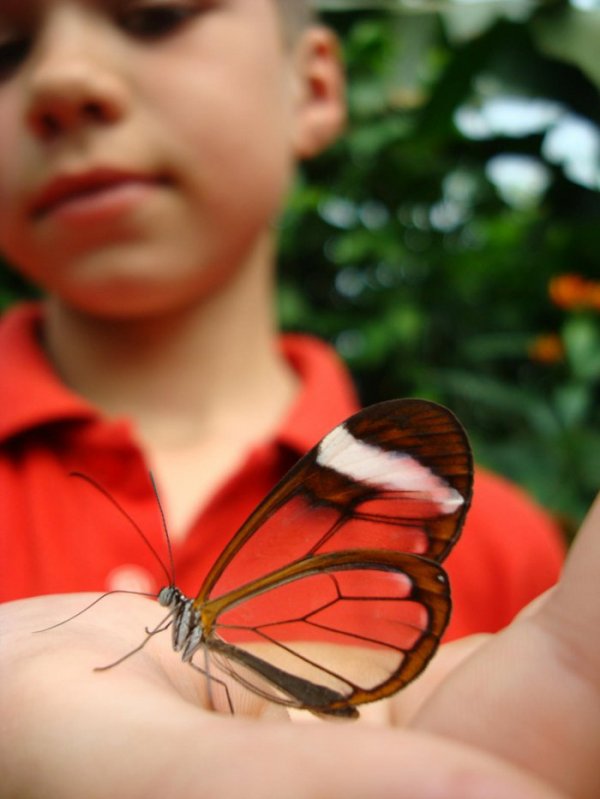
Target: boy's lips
(95,190)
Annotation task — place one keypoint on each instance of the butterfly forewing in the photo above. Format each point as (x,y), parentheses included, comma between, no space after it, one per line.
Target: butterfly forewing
(330,595)
(396,476)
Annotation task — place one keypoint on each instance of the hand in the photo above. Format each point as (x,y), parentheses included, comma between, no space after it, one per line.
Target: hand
(519,717)
(531,694)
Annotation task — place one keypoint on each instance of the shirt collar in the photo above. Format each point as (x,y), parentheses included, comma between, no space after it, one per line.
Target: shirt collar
(32,394)
(326,395)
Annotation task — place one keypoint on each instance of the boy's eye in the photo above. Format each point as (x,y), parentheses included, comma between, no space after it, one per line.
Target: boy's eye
(12,54)
(158,19)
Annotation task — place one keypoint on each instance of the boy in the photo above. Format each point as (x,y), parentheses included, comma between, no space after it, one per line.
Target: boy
(145,148)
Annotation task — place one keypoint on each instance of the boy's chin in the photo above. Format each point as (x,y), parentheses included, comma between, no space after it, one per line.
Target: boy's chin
(124,304)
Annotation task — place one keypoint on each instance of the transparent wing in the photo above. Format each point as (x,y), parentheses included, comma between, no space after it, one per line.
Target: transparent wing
(396,476)
(331,631)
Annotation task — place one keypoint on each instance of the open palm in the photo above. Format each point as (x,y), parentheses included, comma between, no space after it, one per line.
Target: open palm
(511,715)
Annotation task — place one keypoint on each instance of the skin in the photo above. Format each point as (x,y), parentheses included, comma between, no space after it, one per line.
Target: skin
(142,89)
(511,715)
(184,276)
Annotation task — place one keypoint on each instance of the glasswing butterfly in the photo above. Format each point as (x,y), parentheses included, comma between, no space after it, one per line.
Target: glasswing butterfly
(331,594)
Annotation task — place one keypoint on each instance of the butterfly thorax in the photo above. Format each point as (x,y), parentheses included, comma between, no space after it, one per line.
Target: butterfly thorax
(186,622)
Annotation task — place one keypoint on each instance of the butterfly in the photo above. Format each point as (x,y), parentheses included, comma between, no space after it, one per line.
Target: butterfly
(331,594)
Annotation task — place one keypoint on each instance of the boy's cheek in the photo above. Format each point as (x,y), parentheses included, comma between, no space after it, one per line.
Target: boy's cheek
(13,157)
(13,217)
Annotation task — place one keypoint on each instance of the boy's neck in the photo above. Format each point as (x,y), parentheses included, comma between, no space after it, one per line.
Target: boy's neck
(211,367)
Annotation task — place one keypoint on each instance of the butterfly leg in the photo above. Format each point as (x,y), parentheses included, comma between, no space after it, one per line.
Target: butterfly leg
(163,625)
(206,672)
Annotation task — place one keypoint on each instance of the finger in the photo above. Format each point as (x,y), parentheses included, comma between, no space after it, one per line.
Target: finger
(404,705)
(344,761)
(573,610)
(165,747)
(531,694)
(68,732)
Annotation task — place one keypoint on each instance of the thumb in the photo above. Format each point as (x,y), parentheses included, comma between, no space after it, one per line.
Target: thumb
(532,693)
(573,610)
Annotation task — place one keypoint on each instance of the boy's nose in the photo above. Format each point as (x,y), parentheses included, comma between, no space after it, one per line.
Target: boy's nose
(72,93)
(74,80)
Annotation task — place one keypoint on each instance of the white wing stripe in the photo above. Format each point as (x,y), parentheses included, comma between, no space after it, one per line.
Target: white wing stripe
(396,471)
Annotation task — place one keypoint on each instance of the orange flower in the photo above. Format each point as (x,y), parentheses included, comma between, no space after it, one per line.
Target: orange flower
(571,291)
(547,348)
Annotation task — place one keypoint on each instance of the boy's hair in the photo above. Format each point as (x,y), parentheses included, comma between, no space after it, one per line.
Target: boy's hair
(296,15)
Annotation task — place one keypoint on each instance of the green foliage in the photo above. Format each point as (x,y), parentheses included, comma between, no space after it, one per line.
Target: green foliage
(411,248)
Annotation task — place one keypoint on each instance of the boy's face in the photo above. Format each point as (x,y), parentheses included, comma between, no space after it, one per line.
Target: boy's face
(145,145)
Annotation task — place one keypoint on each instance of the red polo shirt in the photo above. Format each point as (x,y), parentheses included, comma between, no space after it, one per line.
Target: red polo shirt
(59,534)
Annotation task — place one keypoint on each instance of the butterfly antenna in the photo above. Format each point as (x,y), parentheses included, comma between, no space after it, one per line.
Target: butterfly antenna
(165,528)
(91,605)
(132,521)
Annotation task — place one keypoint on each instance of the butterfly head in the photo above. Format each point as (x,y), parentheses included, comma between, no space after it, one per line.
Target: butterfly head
(169,596)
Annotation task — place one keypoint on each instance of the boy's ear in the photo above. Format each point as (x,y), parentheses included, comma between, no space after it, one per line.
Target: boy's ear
(321,105)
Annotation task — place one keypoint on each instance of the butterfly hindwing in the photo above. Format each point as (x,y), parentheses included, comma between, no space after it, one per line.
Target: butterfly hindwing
(332,631)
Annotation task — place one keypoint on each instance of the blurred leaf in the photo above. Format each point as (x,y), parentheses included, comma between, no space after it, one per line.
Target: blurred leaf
(572,34)
(572,403)
(581,335)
